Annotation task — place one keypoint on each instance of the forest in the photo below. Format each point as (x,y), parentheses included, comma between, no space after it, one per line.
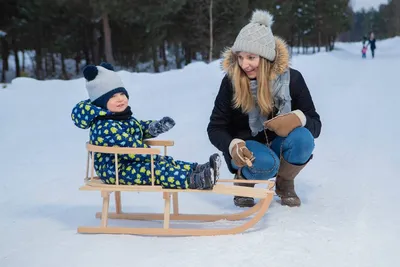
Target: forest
(54,39)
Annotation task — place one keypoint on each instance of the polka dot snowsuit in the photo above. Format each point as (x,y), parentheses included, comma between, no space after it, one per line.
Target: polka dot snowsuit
(134,169)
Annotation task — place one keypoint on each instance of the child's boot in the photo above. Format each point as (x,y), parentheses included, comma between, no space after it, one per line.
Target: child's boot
(204,180)
(214,163)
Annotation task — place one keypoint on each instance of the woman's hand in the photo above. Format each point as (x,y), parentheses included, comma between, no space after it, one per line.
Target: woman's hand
(282,125)
(241,155)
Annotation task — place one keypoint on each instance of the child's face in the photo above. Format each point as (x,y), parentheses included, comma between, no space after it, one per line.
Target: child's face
(117,103)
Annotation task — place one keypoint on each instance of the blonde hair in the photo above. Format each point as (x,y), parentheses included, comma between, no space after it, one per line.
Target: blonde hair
(242,97)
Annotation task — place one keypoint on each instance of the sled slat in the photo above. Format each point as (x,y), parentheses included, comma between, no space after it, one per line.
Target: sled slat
(118,206)
(184,217)
(167,209)
(218,189)
(159,142)
(175,203)
(106,204)
(123,150)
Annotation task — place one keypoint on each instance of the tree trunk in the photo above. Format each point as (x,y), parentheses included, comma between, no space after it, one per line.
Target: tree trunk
(328,43)
(164,55)
(107,39)
(85,46)
(76,67)
(86,53)
(319,41)
(17,65)
(155,58)
(188,55)
(95,47)
(63,69)
(291,43)
(332,45)
(298,44)
(4,55)
(46,63)
(77,62)
(16,57)
(211,32)
(39,66)
(3,75)
(53,64)
(23,60)
(178,59)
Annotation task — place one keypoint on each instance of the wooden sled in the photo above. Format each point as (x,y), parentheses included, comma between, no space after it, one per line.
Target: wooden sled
(93,183)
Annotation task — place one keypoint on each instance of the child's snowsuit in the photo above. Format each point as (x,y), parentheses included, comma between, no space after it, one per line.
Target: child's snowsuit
(364,51)
(133,168)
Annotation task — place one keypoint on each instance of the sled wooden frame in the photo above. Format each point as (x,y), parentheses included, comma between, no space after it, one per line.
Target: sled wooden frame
(93,183)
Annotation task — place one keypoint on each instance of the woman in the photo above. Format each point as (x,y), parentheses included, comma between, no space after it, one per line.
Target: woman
(372,44)
(263,112)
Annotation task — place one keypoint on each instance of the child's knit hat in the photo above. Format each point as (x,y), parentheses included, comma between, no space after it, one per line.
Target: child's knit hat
(102,82)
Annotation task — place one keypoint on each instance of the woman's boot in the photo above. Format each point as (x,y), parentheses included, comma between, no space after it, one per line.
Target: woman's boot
(241,201)
(284,186)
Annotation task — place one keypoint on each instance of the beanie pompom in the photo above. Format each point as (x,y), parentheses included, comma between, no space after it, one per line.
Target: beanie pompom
(107,66)
(90,72)
(262,17)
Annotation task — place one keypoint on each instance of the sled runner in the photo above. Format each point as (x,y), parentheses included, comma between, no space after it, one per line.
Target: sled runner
(93,183)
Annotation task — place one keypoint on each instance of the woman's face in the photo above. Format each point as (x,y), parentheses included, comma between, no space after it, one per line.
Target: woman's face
(249,63)
(117,103)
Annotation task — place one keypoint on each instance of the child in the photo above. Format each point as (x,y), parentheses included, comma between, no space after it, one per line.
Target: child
(111,123)
(364,51)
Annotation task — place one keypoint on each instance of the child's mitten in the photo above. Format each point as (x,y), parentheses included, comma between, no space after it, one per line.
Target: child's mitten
(161,126)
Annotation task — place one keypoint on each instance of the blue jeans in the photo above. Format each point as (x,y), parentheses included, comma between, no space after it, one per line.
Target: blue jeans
(296,148)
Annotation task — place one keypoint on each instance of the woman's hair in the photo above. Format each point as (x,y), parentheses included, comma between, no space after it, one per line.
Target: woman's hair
(242,97)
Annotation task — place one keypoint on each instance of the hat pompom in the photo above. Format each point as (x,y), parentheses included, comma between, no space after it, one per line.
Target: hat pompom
(262,17)
(107,66)
(90,72)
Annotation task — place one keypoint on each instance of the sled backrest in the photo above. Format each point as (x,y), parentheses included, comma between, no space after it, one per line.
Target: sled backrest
(93,149)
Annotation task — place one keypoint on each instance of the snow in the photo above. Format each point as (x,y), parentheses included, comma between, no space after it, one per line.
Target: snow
(349,217)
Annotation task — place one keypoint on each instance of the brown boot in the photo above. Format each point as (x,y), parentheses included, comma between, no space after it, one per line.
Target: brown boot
(284,186)
(241,201)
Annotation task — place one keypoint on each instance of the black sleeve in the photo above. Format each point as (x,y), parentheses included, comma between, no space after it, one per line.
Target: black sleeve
(220,117)
(302,100)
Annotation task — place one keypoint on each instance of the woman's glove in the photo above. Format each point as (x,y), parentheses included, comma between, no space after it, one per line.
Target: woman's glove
(282,125)
(240,154)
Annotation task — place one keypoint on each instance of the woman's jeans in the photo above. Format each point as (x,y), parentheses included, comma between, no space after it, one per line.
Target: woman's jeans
(296,148)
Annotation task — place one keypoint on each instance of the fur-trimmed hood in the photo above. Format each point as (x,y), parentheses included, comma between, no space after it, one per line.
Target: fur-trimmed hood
(279,65)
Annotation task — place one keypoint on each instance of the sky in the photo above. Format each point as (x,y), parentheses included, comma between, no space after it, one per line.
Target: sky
(367,4)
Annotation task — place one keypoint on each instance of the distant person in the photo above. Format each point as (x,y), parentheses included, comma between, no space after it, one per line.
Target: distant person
(372,44)
(364,48)
(109,117)
(364,51)
(263,112)
(365,40)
